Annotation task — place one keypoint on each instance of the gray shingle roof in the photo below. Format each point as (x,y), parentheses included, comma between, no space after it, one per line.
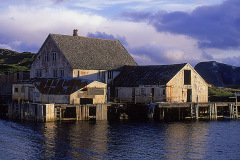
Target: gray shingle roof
(133,76)
(93,53)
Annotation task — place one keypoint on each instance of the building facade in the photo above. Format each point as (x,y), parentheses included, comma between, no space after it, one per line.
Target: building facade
(46,99)
(163,83)
(77,56)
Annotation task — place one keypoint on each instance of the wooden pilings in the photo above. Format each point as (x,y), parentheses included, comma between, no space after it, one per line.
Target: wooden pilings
(211,111)
(233,110)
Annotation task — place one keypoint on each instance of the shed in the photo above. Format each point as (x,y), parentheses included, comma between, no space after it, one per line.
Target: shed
(160,83)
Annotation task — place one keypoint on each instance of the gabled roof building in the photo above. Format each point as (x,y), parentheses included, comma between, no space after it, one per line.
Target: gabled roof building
(160,83)
(77,56)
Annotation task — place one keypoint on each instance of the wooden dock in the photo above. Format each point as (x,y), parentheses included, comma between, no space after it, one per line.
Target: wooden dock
(211,111)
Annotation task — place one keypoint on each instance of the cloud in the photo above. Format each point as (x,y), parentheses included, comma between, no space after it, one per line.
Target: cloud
(216,26)
(235,61)
(31,25)
(108,36)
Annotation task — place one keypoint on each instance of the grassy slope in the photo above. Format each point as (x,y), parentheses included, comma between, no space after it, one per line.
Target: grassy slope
(11,61)
(219,92)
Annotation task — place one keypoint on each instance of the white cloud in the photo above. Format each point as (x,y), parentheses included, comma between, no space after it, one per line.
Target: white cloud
(23,25)
(5,46)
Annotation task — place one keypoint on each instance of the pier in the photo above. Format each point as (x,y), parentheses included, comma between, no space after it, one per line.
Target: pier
(211,111)
(175,111)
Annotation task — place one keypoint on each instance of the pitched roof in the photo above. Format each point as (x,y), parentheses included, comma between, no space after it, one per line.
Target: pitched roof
(58,86)
(133,76)
(93,53)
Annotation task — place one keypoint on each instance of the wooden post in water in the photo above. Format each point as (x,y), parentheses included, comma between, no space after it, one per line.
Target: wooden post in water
(230,110)
(161,113)
(212,111)
(196,110)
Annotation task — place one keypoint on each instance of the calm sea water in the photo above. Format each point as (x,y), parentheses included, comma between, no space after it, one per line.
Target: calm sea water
(120,140)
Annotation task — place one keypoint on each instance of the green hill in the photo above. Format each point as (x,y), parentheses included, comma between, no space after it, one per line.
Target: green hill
(12,61)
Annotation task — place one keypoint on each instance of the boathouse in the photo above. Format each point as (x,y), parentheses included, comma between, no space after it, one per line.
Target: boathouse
(48,99)
(160,83)
(78,56)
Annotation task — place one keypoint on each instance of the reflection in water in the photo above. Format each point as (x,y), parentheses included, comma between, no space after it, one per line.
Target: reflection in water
(186,141)
(77,140)
(120,140)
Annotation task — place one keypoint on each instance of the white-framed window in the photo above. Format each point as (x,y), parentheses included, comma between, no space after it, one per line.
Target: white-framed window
(46,58)
(62,72)
(54,56)
(164,92)
(55,73)
(110,74)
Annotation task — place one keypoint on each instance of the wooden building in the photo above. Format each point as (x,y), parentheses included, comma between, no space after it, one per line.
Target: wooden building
(160,83)
(42,98)
(6,82)
(77,56)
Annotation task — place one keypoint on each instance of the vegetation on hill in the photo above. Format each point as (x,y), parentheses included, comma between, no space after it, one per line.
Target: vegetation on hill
(219,92)
(12,61)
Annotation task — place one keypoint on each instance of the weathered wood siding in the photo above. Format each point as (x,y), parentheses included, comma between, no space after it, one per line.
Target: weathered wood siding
(176,91)
(142,94)
(47,67)
(95,90)
(95,75)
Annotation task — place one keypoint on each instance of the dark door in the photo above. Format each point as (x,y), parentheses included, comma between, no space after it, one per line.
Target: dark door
(189,95)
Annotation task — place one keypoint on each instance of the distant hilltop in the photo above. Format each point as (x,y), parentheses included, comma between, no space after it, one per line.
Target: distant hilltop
(219,74)
(12,61)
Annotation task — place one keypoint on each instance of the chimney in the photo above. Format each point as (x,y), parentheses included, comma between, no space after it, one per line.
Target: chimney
(75,32)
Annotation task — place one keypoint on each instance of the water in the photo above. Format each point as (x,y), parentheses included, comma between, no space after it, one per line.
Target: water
(120,140)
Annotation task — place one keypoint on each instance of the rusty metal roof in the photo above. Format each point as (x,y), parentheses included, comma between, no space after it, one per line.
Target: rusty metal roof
(58,86)
(93,53)
(134,76)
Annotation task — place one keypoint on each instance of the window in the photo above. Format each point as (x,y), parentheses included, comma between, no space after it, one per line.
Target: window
(187,77)
(23,90)
(15,90)
(18,75)
(110,74)
(116,92)
(62,72)
(143,91)
(54,56)
(39,73)
(55,73)
(46,57)
(164,92)
(78,73)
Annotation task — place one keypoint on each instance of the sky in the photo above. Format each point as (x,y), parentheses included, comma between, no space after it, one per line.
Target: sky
(155,32)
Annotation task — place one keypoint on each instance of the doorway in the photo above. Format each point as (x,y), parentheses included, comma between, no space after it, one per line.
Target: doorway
(189,95)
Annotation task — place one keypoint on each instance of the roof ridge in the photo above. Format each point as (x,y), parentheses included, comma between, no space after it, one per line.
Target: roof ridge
(83,37)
